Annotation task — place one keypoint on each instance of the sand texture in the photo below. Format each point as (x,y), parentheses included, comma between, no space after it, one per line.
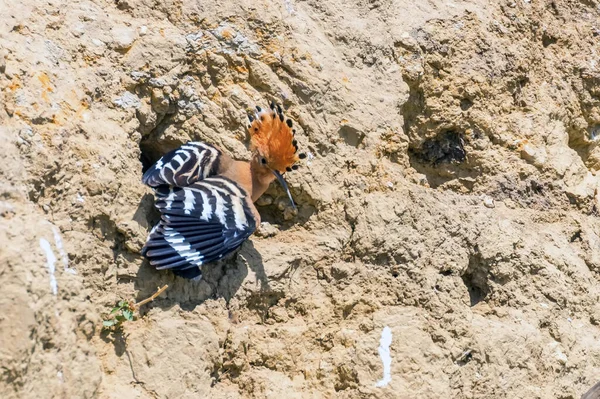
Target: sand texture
(447,241)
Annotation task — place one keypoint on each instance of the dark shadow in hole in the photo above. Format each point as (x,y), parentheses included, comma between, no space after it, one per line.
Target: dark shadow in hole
(548,40)
(154,145)
(576,236)
(146,161)
(221,279)
(465,104)
(476,293)
(465,358)
(442,158)
(476,279)
(152,150)
(446,147)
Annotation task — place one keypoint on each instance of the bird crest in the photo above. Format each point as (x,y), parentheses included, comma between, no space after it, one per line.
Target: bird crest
(273,137)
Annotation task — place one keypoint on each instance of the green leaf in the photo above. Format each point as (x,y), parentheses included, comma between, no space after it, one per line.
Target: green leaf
(121,304)
(115,310)
(109,323)
(128,314)
(120,318)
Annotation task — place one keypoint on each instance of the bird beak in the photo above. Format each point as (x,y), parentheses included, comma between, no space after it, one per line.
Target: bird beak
(285,186)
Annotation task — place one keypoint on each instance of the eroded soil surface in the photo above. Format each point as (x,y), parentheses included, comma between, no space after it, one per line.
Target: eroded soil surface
(450,194)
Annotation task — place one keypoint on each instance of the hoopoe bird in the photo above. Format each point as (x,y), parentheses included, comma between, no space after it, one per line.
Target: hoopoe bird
(206,198)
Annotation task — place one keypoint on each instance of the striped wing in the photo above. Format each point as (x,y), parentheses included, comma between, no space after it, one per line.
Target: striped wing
(181,167)
(200,223)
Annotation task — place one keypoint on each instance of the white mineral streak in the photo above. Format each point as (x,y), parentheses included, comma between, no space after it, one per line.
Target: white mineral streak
(61,250)
(386,358)
(50,264)
(289,7)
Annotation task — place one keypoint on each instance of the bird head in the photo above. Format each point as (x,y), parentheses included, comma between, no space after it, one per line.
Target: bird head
(273,145)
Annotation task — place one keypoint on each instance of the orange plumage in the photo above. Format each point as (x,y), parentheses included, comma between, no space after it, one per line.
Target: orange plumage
(273,138)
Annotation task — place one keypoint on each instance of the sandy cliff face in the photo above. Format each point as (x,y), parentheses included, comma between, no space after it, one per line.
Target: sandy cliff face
(450,195)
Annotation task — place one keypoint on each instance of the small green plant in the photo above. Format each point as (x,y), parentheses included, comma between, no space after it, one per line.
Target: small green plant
(119,314)
(124,311)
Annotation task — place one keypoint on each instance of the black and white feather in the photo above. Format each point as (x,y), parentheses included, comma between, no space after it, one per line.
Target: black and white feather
(201,222)
(181,167)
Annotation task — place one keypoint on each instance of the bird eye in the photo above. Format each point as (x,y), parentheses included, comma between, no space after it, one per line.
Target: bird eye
(263,161)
